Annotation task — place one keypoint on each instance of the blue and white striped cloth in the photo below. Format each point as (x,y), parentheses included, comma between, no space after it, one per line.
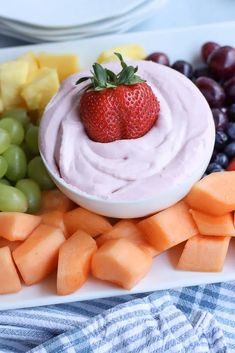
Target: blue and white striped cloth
(190,320)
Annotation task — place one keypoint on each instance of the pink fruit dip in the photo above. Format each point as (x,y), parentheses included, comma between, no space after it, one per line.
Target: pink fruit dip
(168,154)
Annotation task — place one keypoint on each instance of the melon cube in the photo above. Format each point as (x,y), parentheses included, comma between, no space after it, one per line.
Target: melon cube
(55,219)
(9,279)
(13,75)
(55,200)
(38,92)
(74,262)
(214,194)
(37,256)
(128,51)
(204,253)
(122,262)
(12,245)
(212,225)
(17,225)
(65,65)
(92,223)
(127,229)
(169,227)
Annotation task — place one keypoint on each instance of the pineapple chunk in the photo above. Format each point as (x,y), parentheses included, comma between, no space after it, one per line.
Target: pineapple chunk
(65,65)
(128,51)
(13,74)
(41,89)
(31,59)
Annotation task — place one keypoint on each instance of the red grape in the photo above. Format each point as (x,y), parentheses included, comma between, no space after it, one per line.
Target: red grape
(159,58)
(222,62)
(212,91)
(229,87)
(208,48)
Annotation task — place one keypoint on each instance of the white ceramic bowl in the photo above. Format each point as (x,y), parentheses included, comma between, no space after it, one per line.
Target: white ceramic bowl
(132,209)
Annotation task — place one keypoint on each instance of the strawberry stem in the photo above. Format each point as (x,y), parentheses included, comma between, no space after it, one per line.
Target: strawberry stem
(103,78)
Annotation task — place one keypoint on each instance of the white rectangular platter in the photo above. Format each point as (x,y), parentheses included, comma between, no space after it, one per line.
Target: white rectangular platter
(178,44)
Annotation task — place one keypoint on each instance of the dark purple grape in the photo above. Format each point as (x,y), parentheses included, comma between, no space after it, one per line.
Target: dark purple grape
(160,58)
(214,154)
(183,67)
(221,140)
(220,118)
(230,150)
(208,48)
(222,62)
(201,71)
(231,112)
(221,159)
(214,167)
(211,90)
(230,131)
(229,87)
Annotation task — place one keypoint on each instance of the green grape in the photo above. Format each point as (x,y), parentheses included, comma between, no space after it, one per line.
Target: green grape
(38,172)
(14,128)
(5,140)
(27,152)
(3,166)
(17,163)
(31,139)
(12,199)
(5,182)
(32,192)
(18,114)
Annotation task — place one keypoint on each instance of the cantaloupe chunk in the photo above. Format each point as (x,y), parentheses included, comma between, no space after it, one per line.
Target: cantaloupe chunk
(38,255)
(74,262)
(38,92)
(169,227)
(66,64)
(12,245)
(127,229)
(9,279)
(55,219)
(214,194)
(54,200)
(13,75)
(17,225)
(212,225)
(122,262)
(204,253)
(93,224)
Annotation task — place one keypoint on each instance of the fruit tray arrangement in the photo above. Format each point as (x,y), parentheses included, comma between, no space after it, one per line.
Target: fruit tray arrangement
(42,230)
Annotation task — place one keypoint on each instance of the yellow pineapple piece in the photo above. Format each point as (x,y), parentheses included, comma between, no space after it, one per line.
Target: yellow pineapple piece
(41,89)
(31,59)
(128,51)
(65,65)
(13,74)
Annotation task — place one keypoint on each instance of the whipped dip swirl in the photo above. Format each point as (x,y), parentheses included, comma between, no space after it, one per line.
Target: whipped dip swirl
(130,169)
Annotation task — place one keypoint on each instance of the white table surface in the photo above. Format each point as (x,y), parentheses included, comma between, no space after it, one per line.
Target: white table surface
(176,13)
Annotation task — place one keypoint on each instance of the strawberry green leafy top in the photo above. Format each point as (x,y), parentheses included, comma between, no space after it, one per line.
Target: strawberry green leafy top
(103,78)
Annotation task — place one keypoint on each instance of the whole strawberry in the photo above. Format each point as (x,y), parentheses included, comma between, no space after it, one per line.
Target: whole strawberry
(116,107)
